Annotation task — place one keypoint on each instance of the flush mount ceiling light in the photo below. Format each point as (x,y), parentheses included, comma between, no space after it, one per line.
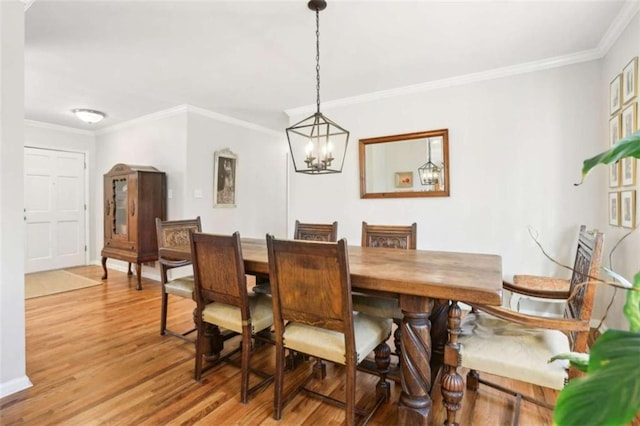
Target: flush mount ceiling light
(318,145)
(89,116)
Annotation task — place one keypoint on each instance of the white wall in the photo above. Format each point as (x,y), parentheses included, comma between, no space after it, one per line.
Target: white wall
(260,176)
(159,141)
(626,258)
(516,147)
(42,135)
(12,320)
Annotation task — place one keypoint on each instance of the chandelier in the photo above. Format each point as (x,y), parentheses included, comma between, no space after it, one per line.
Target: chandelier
(429,173)
(318,145)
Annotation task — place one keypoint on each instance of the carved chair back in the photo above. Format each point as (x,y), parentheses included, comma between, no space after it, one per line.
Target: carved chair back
(316,231)
(402,237)
(172,233)
(219,274)
(582,284)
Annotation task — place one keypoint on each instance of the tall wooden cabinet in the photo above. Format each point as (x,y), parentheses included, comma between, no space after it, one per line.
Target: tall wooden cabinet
(133,197)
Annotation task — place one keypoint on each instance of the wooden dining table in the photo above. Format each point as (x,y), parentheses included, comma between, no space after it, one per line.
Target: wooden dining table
(418,278)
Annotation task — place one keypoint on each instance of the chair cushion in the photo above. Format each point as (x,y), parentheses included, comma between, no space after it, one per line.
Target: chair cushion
(499,347)
(182,287)
(377,306)
(229,317)
(327,344)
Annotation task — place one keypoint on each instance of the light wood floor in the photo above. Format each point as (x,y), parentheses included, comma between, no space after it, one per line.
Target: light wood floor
(95,356)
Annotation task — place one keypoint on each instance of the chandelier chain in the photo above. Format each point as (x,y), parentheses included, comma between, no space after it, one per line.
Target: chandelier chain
(318,60)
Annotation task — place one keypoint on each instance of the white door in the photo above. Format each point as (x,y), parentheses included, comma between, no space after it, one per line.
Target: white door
(54,209)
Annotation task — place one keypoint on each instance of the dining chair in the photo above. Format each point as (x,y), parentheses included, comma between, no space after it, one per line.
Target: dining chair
(386,236)
(172,233)
(222,301)
(327,328)
(502,342)
(316,231)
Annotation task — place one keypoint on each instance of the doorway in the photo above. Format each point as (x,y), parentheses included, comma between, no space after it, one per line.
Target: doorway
(54,209)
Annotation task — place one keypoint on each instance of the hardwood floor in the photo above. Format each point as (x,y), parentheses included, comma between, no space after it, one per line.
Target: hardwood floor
(95,356)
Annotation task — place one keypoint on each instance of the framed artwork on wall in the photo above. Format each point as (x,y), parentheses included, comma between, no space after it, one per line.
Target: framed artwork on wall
(404,179)
(614,135)
(628,209)
(629,125)
(630,80)
(225,164)
(615,95)
(614,208)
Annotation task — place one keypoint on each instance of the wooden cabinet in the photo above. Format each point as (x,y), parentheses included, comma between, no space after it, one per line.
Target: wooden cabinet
(133,197)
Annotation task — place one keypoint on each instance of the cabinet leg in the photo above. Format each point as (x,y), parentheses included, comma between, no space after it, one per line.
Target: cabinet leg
(104,268)
(129,269)
(139,275)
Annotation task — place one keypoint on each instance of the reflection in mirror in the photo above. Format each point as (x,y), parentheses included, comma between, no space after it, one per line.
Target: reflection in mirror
(408,165)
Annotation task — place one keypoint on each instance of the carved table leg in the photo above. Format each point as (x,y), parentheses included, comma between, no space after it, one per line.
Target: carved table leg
(214,342)
(383,359)
(439,335)
(104,268)
(414,407)
(452,385)
(138,274)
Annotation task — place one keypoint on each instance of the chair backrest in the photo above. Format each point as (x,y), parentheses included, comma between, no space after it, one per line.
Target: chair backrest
(316,231)
(218,271)
(172,233)
(311,285)
(583,288)
(387,236)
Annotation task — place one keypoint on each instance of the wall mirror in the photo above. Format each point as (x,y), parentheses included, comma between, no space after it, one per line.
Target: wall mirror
(407,165)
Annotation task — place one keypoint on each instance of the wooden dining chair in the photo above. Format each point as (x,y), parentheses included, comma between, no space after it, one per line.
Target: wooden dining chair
(222,301)
(327,328)
(386,236)
(172,233)
(316,231)
(502,342)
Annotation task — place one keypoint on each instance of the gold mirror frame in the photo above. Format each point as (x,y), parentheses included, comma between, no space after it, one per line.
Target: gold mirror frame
(400,174)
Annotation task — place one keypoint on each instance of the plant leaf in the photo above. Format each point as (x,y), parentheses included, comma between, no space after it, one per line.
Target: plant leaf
(610,393)
(577,360)
(628,146)
(631,308)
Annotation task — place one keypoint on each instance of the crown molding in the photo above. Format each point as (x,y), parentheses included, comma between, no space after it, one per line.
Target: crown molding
(231,120)
(58,127)
(626,14)
(149,117)
(544,64)
(621,21)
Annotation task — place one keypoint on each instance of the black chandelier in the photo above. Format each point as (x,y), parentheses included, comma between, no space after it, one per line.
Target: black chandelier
(429,173)
(318,145)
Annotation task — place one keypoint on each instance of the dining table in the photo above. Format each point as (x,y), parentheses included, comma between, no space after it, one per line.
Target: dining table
(421,280)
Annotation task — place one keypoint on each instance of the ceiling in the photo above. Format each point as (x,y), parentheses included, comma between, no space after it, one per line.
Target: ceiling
(253,60)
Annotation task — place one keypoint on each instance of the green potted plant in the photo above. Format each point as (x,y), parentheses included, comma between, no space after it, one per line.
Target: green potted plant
(609,393)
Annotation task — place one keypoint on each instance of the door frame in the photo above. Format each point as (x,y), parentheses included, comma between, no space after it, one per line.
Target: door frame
(87,200)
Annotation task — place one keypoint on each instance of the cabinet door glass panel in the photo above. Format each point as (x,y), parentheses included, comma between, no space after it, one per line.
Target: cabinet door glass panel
(120,210)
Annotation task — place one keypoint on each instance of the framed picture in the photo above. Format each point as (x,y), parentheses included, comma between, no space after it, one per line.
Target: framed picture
(404,179)
(614,135)
(629,125)
(628,209)
(614,208)
(225,164)
(630,80)
(615,95)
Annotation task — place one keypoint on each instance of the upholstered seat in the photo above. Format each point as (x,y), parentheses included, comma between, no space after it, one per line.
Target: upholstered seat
(502,342)
(230,317)
(172,233)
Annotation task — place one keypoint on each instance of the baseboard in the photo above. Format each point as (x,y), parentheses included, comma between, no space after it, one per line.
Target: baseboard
(15,385)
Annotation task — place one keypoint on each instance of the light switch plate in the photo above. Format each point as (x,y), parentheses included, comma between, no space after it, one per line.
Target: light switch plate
(197,193)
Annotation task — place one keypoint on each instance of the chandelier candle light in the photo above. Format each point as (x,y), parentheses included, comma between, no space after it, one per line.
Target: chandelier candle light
(429,173)
(317,144)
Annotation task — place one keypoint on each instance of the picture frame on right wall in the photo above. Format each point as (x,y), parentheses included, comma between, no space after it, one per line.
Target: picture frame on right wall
(615,94)
(630,81)
(614,135)
(629,125)
(628,209)
(614,208)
